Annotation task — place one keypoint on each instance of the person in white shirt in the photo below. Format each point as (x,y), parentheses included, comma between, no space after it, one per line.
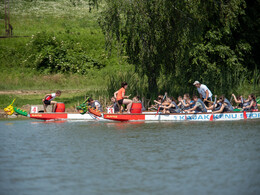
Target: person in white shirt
(48,100)
(205,93)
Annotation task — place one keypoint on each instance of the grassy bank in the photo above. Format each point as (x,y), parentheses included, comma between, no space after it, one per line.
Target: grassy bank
(68,21)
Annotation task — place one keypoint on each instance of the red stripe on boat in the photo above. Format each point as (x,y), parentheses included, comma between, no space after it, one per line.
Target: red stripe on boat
(125,117)
(49,116)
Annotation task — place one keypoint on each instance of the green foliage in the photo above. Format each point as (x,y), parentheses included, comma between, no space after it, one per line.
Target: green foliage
(136,85)
(174,43)
(50,54)
(169,43)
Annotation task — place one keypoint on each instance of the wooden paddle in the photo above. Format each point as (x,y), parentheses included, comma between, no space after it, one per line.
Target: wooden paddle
(212,116)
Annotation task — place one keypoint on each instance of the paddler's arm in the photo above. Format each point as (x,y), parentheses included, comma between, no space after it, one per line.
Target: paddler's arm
(220,110)
(192,109)
(115,94)
(235,98)
(207,95)
(167,105)
(123,95)
(249,106)
(186,105)
(155,101)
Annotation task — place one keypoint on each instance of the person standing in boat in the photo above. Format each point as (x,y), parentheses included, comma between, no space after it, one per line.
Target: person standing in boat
(95,104)
(48,100)
(121,98)
(198,107)
(205,93)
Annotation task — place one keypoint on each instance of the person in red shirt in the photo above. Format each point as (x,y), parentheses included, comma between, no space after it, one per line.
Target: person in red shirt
(48,100)
(121,97)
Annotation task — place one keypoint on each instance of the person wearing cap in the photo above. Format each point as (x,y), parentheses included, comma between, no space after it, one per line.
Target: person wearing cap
(205,93)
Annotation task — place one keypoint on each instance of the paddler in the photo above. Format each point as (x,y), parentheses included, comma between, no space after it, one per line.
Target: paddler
(198,107)
(114,105)
(95,104)
(252,104)
(205,93)
(223,105)
(48,100)
(121,98)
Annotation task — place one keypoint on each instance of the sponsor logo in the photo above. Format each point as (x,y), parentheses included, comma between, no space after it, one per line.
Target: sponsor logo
(111,116)
(36,115)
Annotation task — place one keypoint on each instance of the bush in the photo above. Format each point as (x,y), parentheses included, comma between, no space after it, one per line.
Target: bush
(50,54)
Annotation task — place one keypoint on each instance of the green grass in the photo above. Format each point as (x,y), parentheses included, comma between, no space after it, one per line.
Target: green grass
(69,97)
(67,22)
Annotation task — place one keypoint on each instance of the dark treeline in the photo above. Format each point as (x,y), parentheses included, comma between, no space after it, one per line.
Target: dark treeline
(172,43)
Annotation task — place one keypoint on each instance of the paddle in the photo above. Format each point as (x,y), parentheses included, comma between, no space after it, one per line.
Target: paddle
(244,113)
(212,116)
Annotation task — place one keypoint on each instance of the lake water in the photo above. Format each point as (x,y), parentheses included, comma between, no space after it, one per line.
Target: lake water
(129,158)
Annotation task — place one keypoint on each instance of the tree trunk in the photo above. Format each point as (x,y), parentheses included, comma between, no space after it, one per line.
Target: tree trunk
(152,85)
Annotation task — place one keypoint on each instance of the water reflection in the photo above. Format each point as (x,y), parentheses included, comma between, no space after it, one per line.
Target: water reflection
(89,157)
(124,125)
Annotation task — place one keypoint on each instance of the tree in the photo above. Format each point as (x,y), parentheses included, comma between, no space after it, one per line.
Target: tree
(174,42)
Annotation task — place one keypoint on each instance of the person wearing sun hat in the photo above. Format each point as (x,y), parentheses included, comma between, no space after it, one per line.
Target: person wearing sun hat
(205,93)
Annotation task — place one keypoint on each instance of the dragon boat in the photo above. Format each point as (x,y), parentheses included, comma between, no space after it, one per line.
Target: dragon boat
(88,113)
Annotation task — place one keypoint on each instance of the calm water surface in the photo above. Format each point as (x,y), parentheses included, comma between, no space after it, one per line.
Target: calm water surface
(129,158)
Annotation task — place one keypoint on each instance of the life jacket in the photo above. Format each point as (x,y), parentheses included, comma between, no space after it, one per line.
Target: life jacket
(182,107)
(94,106)
(186,107)
(192,104)
(176,109)
(50,97)
(244,103)
(203,106)
(254,107)
(229,107)
(218,106)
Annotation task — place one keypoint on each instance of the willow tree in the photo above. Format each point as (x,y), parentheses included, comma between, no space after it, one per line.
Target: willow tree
(148,32)
(178,41)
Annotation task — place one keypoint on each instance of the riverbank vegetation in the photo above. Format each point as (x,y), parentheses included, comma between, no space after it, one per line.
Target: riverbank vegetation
(156,46)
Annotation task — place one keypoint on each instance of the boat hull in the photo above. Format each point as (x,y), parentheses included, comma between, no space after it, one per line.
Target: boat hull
(231,116)
(60,116)
(183,117)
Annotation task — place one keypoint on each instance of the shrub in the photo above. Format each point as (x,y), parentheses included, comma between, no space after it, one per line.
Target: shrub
(50,54)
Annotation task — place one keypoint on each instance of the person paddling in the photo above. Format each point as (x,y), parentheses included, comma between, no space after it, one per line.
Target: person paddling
(252,104)
(95,104)
(198,107)
(223,105)
(48,100)
(240,101)
(205,93)
(121,98)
